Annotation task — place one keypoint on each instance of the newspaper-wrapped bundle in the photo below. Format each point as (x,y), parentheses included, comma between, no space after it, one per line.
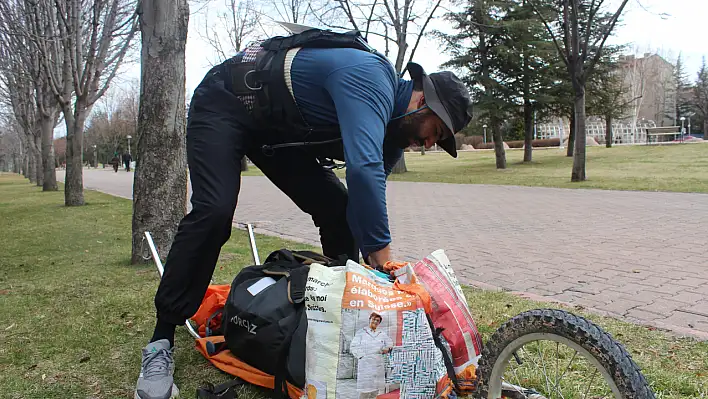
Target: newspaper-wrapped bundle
(369,338)
(450,312)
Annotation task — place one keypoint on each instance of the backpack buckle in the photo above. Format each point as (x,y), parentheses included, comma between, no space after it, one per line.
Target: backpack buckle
(245,81)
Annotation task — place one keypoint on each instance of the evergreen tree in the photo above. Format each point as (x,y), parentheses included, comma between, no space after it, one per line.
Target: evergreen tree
(528,65)
(700,96)
(683,98)
(479,24)
(510,64)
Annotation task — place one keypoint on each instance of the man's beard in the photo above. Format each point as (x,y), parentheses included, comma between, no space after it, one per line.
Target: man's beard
(402,132)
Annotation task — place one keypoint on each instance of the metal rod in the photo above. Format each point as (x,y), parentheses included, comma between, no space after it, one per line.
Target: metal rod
(155,256)
(254,249)
(161,270)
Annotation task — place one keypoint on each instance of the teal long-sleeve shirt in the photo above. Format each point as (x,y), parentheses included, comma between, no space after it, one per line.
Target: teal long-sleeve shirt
(360,92)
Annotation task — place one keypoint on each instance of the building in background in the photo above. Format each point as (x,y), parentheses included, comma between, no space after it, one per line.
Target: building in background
(651,88)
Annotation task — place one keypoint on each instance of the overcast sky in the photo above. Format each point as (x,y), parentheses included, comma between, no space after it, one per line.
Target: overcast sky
(666,26)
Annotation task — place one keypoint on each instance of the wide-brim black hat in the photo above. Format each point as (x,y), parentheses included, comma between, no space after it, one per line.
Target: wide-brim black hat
(448,98)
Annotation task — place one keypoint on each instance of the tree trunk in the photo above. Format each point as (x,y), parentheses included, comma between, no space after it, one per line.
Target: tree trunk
(50,174)
(31,163)
(74,187)
(705,128)
(39,168)
(400,166)
(499,151)
(16,164)
(571,136)
(26,166)
(528,109)
(244,164)
(160,185)
(528,132)
(608,131)
(579,156)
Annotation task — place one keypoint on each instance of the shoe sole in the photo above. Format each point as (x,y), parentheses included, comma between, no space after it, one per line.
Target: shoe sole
(175,393)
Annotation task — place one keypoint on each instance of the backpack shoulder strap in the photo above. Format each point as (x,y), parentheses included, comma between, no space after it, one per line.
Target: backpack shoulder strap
(297,284)
(309,257)
(281,255)
(221,391)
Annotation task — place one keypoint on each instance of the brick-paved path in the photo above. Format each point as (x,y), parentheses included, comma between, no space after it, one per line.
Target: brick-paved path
(642,256)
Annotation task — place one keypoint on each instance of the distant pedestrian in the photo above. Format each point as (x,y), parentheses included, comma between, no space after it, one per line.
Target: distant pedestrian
(115,162)
(127,159)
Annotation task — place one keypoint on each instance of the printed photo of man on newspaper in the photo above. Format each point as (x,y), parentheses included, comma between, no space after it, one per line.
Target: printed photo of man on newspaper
(369,346)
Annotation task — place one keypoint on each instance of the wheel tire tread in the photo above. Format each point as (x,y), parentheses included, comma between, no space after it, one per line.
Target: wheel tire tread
(611,354)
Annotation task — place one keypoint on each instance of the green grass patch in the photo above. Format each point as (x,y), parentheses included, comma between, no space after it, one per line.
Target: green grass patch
(74,313)
(681,168)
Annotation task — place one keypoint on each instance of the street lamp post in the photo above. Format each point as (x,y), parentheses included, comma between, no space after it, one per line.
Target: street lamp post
(485,133)
(683,118)
(95,157)
(689,125)
(535,129)
(129,137)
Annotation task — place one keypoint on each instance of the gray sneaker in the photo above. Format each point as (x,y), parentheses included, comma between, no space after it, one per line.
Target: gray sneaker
(155,381)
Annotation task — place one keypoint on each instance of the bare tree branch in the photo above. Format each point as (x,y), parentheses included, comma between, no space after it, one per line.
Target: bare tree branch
(241,23)
(607,34)
(425,25)
(593,10)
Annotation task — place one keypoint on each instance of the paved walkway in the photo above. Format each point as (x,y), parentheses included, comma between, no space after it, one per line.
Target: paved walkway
(642,256)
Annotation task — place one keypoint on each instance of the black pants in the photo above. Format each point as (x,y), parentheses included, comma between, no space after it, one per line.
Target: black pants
(220,131)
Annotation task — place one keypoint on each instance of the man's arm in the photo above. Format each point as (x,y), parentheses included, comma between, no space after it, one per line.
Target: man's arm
(363,96)
(392,155)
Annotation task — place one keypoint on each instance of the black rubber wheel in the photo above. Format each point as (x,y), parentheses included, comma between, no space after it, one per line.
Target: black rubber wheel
(560,326)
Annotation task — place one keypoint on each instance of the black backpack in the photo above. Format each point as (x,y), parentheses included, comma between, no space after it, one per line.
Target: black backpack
(274,105)
(264,322)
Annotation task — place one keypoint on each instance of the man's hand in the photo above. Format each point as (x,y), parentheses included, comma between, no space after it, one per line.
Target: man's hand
(380,257)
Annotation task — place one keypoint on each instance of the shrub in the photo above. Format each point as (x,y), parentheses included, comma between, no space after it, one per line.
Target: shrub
(484,146)
(535,143)
(516,144)
(546,143)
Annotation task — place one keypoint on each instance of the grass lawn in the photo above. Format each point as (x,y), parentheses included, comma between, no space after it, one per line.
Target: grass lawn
(74,314)
(682,168)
